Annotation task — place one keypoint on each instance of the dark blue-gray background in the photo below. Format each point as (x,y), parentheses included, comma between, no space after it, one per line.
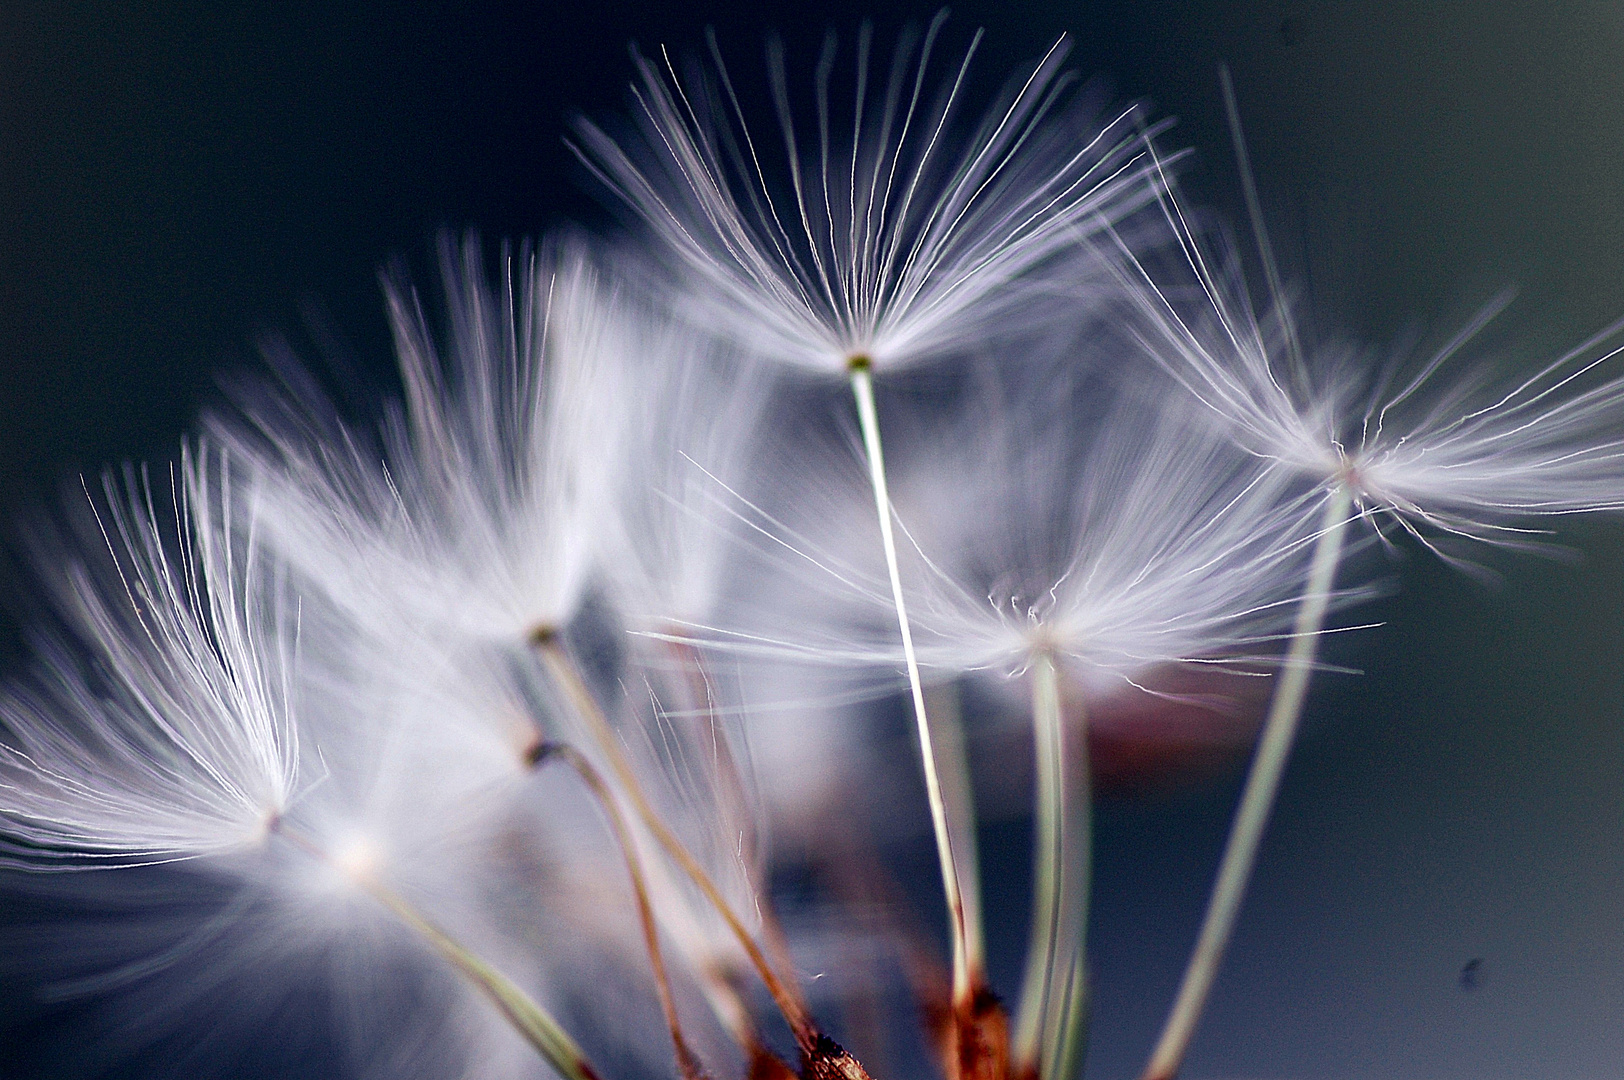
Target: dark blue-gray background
(175,182)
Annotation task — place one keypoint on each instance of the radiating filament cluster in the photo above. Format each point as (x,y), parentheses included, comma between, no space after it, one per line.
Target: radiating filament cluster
(498,711)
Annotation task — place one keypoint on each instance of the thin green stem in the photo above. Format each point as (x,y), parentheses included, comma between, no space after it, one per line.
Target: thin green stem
(1262,784)
(1065,1049)
(1065,1025)
(533,1022)
(1051,992)
(862,384)
(538,1028)
(1046,859)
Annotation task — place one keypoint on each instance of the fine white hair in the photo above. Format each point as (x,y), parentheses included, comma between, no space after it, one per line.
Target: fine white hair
(695,418)
(1140,541)
(1436,444)
(897,238)
(1112,527)
(486,513)
(158,721)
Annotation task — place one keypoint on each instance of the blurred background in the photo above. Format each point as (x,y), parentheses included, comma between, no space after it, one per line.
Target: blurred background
(1442,891)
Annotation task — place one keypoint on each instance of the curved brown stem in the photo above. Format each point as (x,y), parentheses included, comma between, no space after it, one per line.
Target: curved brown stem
(688,658)
(686,1061)
(545,641)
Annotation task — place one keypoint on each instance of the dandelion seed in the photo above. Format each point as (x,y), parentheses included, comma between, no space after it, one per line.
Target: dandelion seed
(1041,551)
(888,251)
(489,514)
(158,724)
(1445,457)
(1095,536)
(898,238)
(1442,451)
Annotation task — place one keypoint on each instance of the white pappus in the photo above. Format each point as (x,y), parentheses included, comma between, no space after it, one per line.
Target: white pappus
(486,513)
(1434,443)
(900,237)
(158,723)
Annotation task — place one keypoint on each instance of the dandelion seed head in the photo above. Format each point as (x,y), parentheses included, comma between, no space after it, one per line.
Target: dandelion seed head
(484,511)
(158,723)
(1111,527)
(378,676)
(1429,441)
(899,237)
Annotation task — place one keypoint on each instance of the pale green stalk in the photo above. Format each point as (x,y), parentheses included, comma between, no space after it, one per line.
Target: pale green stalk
(1048,1026)
(538,1028)
(533,1022)
(1262,784)
(862,384)
(1064,1047)
(958,792)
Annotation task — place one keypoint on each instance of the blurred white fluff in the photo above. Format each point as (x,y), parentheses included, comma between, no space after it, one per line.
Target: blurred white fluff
(158,723)
(420,748)
(694,763)
(894,240)
(160,726)
(487,514)
(508,492)
(691,444)
(1438,449)
(1141,540)
(1114,528)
